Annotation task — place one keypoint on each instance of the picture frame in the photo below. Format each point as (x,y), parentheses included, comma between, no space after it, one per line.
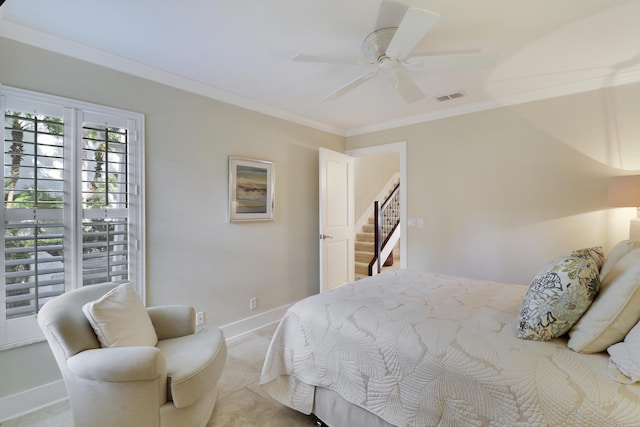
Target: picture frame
(251,189)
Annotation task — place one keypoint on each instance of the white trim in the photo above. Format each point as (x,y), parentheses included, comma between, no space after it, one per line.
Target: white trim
(386,251)
(400,147)
(3,283)
(250,324)
(567,89)
(22,34)
(427,117)
(31,400)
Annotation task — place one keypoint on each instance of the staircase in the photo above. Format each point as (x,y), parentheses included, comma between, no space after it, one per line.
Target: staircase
(364,250)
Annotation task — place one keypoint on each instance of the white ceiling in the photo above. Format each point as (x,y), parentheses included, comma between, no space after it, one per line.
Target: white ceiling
(239,51)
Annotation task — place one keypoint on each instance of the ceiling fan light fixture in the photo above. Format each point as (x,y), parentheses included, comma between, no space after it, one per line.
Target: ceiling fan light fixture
(388,49)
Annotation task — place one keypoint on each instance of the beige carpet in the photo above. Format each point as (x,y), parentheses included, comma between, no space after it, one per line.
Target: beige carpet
(241,402)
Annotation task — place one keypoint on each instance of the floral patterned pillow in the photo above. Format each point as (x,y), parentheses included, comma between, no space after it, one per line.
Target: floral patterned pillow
(595,252)
(558,296)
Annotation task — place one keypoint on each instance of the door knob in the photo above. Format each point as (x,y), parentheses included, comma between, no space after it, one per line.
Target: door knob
(325,236)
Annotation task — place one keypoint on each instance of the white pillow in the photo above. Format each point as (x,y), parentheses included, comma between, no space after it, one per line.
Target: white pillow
(615,310)
(618,251)
(625,356)
(119,319)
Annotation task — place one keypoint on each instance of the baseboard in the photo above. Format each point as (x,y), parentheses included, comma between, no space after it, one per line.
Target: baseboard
(31,400)
(45,395)
(250,324)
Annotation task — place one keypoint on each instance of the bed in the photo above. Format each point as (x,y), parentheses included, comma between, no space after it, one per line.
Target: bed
(410,348)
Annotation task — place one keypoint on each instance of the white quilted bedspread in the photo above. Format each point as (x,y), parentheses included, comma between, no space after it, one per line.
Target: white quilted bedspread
(421,349)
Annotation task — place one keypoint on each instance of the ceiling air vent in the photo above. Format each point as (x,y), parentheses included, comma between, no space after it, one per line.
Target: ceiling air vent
(449,97)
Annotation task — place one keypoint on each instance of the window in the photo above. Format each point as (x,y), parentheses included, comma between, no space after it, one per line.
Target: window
(73,205)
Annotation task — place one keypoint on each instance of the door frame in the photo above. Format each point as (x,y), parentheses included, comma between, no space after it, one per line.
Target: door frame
(401,148)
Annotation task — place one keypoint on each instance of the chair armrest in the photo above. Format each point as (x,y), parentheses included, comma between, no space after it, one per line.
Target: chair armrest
(172,321)
(119,364)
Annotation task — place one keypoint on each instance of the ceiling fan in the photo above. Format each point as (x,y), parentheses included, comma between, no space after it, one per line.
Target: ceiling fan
(390,50)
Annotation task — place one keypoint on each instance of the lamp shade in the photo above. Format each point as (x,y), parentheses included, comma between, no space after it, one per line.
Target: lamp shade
(624,191)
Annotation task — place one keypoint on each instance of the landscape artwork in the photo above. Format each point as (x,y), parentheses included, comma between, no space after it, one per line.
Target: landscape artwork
(250,189)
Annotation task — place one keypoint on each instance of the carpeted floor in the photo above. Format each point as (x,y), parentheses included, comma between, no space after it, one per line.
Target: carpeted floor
(241,402)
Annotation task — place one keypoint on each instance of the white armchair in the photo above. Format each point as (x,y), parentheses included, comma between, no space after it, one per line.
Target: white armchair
(171,384)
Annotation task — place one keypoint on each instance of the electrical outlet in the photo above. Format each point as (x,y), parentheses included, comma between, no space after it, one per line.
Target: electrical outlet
(200,318)
(253,302)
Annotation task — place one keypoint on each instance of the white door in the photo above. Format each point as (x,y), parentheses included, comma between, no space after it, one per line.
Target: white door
(336,219)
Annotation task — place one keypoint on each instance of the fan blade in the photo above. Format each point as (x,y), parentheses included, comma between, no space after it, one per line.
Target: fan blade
(332,59)
(406,87)
(414,26)
(349,86)
(451,60)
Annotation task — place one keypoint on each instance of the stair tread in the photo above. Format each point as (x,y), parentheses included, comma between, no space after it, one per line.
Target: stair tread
(363,257)
(362,268)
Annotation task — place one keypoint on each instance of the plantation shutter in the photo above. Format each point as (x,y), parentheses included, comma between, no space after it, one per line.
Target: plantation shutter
(73,203)
(33,206)
(105,200)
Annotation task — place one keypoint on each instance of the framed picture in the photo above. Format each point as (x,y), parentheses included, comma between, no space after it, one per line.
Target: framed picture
(251,188)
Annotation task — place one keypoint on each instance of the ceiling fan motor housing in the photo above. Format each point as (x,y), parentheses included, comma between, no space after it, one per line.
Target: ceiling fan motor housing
(376,44)
(388,48)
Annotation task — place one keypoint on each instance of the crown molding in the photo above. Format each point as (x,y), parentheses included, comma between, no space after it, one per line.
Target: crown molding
(75,50)
(619,79)
(51,43)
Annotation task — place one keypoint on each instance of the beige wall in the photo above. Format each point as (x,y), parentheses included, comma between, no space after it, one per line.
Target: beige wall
(193,255)
(501,191)
(504,191)
(372,172)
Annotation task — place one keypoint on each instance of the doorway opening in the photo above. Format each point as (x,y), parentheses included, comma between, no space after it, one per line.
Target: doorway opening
(396,152)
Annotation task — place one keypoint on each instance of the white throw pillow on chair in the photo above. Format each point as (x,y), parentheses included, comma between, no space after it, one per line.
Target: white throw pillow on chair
(119,319)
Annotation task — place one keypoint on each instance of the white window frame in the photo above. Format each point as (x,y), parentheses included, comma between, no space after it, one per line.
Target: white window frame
(25,330)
